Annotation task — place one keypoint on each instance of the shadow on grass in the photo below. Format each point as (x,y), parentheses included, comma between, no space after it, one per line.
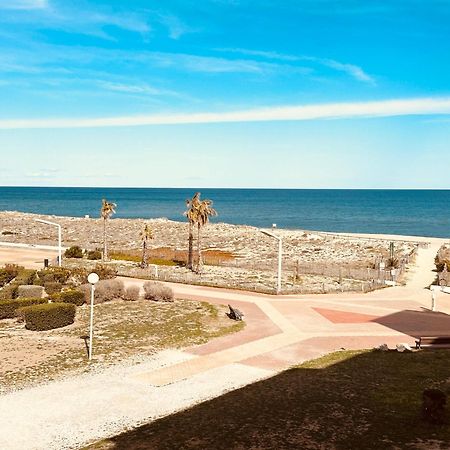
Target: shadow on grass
(346,400)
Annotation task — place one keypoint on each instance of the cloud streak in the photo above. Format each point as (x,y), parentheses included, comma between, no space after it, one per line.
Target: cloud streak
(382,108)
(24,4)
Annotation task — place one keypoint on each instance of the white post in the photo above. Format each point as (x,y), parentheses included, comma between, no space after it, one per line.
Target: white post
(92,279)
(280,249)
(91,327)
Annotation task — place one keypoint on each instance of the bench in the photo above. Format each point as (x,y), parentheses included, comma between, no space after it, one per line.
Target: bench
(433,341)
(234,313)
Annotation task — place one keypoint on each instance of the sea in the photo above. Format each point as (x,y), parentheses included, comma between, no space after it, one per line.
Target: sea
(404,212)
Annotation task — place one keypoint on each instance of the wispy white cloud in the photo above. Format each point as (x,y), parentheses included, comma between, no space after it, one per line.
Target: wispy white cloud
(175,26)
(24,4)
(382,108)
(353,70)
(139,89)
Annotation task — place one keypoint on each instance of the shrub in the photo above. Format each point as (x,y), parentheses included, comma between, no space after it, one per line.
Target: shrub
(74,252)
(8,273)
(52,287)
(30,291)
(132,293)
(70,296)
(53,274)
(8,308)
(9,292)
(94,254)
(25,276)
(105,291)
(48,316)
(157,292)
(105,272)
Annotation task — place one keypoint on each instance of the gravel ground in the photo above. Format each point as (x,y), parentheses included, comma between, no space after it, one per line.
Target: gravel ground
(72,413)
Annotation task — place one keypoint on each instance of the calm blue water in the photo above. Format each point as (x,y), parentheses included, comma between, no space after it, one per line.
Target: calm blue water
(409,212)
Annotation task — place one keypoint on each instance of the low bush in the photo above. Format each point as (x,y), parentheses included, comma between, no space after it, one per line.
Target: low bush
(132,293)
(30,291)
(105,291)
(52,287)
(48,316)
(9,292)
(53,274)
(94,255)
(73,296)
(8,273)
(105,272)
(74,252)
(158,292)
(8,308)
(25,276)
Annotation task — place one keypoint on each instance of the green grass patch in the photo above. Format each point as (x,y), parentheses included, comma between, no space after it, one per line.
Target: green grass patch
(345,400)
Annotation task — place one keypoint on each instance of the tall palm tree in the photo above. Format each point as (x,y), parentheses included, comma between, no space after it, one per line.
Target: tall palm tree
(204,212)
(146,235)
(106,212)
(191,214)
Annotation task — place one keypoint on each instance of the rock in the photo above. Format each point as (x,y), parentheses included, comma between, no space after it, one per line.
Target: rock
(382,348)
(403,347)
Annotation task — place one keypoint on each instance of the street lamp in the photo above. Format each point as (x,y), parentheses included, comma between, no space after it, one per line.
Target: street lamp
(92,279)
(280,250)
(59,237)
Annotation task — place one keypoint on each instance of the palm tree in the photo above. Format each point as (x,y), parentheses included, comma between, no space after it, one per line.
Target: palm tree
(146,234)
(204,212)
(191,214)
(107,210)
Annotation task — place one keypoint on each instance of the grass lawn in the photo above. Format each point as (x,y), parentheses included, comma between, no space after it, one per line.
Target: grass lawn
(122,330)
(347,400)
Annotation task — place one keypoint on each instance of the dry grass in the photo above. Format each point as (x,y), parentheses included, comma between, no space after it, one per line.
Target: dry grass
(123,330)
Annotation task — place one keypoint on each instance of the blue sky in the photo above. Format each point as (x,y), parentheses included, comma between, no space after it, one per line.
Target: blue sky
(225,93)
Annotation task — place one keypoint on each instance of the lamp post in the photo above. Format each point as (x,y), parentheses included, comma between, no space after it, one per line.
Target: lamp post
(59,237)
(280,250)
(92,279)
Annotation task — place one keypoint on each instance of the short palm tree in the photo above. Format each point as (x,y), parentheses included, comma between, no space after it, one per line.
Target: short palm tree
(204,212)
(191,214)
(146,235)
(106,212)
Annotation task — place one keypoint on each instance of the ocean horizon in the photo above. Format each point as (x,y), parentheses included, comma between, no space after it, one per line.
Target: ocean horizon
(414,212)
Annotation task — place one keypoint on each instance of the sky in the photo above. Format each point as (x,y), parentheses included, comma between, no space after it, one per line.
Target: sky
(225,93)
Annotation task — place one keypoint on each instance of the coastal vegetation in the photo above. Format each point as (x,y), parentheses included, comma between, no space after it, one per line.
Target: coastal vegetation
(107,210)
(146,235)
(198,213)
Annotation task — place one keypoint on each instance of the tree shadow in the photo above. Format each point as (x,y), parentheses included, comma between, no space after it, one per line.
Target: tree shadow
(417,323)
(346,400)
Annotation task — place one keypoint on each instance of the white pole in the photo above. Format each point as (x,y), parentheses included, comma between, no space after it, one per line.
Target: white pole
(91,328)
(280,249)
(59,246)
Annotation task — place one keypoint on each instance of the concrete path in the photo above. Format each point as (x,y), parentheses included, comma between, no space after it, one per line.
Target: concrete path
(280,331)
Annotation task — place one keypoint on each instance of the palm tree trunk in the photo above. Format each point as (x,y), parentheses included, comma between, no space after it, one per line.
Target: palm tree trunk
(191,247)
(199,250)
(144,262)
(105,245)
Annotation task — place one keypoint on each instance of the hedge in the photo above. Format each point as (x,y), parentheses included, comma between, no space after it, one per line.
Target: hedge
(48,316)
(70,296)
(30,291)
(8,308)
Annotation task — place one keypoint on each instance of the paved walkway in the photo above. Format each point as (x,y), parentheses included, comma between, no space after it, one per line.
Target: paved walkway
(280,331)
